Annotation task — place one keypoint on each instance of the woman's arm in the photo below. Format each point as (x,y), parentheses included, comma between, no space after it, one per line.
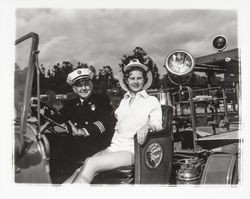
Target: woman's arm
(155,117)
(154,123)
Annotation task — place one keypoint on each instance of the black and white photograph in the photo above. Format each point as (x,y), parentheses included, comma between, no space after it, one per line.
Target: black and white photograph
(125,96)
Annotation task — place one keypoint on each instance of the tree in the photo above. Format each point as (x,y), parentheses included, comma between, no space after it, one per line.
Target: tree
(56,78)
(105,79)
(166,83)
(19,84)
(141,55)
(17,67)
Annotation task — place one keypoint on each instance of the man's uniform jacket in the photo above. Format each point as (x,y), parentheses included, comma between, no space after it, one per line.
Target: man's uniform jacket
(96,116)
(93,114)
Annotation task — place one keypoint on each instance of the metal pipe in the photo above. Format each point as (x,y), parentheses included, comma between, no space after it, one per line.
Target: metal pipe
(38,95)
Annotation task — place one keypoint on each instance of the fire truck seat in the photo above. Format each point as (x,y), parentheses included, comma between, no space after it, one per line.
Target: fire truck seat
(153,159)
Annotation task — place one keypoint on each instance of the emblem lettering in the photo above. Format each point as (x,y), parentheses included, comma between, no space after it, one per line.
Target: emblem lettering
(155,149)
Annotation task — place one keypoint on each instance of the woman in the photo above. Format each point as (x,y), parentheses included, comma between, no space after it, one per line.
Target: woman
(137,114)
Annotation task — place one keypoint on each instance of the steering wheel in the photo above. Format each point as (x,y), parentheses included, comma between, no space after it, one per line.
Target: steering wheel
(50,117)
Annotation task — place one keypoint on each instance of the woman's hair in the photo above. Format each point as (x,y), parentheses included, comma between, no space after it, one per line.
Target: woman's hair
(127,74)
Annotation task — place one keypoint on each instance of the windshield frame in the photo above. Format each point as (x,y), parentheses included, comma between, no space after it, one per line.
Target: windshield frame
(29,77)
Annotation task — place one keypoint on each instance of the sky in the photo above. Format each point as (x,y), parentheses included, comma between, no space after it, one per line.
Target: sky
(101,37)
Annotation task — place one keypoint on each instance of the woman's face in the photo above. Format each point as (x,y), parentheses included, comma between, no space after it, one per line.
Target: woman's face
(135,81)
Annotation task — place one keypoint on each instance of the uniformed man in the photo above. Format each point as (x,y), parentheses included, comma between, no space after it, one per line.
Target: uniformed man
(91,122)
(88,114)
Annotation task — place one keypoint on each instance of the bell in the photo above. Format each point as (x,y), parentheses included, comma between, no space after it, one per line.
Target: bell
(187,173)
(190,170)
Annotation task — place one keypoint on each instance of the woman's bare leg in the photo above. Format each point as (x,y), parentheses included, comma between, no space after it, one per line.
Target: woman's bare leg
(74,175)
(102,162)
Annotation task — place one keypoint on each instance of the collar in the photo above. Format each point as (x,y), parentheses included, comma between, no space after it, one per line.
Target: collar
(86,99)
(79,101)
(142,93)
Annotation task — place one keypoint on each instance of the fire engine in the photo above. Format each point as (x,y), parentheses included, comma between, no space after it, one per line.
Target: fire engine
(199,144)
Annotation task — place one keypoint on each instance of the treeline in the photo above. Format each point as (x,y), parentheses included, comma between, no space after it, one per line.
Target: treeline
(54,79)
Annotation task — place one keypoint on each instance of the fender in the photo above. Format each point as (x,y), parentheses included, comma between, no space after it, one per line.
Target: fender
(219,169)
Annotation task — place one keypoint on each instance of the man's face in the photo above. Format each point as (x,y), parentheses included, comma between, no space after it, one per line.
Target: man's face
(83,88)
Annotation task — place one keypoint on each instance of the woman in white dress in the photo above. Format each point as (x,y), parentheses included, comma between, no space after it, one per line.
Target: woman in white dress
(137,114)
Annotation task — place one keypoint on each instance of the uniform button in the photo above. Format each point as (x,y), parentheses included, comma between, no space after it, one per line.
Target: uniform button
(75,124)
(86,122)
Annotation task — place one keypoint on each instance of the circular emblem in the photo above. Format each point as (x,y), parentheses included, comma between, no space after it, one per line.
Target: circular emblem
(79,72)
(153,155)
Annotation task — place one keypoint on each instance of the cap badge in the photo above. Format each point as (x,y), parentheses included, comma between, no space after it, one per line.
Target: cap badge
(79,72)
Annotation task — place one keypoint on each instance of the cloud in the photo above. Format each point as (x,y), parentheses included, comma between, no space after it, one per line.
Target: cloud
(102,36)
(53,49)
(49,45)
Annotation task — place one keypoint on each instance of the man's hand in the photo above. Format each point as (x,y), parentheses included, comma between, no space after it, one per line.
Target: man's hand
(76,131)
(142,134)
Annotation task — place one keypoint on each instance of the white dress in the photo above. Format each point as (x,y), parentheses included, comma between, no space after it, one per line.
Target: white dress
(145,109)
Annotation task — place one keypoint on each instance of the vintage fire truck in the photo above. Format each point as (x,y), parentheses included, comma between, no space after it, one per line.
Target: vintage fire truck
(199,144)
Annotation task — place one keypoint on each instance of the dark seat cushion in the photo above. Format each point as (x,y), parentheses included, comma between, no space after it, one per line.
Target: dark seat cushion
(121,175)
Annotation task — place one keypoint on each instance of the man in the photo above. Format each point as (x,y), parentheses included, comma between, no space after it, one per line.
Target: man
(91,122)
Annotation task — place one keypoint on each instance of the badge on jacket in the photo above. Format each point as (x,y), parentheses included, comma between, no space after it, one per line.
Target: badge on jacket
(92,107)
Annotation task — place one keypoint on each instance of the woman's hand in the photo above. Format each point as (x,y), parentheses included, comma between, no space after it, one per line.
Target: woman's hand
(76,131)
(142,134)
